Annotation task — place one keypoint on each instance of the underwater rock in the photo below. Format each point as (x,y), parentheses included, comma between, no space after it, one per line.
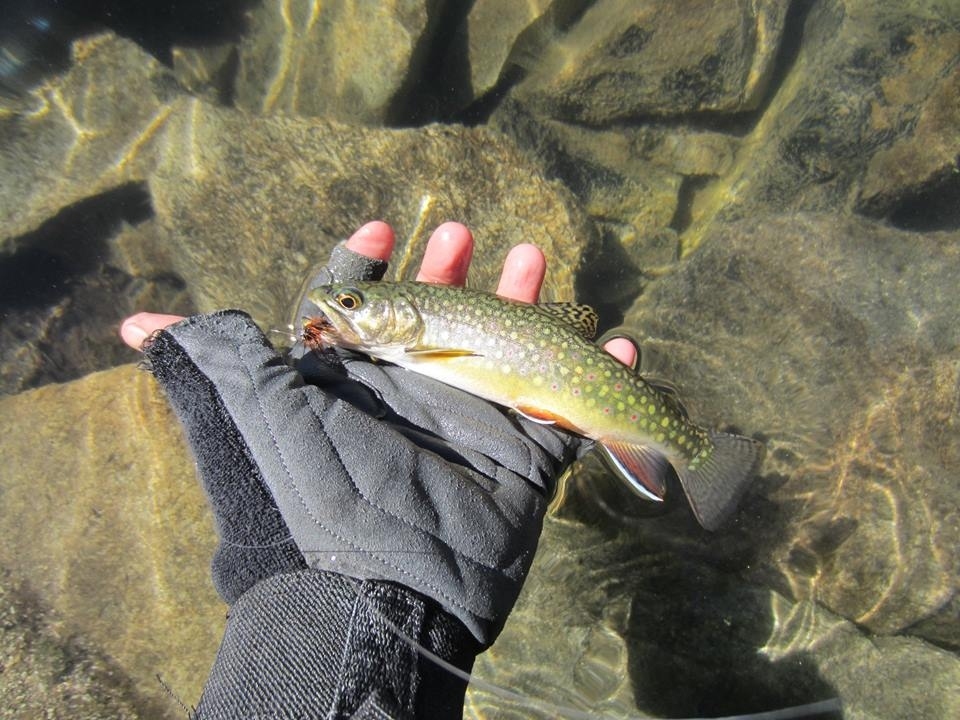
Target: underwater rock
(926,105)
(343,61)
(48,673)
(638,60)
(253,203)
(70,283)
(247,206)
(656,620)
(623,194)
(833,339)
(81,135)
(103,517)
(500,37)
(873,87)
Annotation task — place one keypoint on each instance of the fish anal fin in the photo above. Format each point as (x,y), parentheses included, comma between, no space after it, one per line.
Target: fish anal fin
(643,467)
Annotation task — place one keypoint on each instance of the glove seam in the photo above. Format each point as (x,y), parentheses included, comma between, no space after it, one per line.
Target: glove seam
(294,486)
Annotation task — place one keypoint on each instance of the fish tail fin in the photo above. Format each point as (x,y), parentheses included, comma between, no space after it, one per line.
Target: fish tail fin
(714,486)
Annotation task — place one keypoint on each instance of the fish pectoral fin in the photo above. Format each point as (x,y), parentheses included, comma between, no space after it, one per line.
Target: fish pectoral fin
(545,417)
(643,467)
(438,353)
(536,415)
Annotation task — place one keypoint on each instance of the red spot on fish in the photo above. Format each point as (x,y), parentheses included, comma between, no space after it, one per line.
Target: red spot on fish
(576,391)
(633,417)
(606,411)
(554,386)
(618,387)
(591,376)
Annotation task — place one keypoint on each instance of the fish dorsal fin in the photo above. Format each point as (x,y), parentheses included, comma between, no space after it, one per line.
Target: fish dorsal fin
(668,391)
(582,318)
(643,467)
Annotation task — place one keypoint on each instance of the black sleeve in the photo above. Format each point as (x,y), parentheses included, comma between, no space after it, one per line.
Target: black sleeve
(314,644)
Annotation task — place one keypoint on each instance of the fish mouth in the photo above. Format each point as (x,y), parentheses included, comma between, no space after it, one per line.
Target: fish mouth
(317,332)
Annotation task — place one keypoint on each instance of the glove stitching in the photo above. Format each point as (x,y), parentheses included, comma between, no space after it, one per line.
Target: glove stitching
(424,583)
(293,484)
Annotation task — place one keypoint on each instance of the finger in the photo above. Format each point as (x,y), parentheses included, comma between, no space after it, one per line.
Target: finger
(374,240)
(623,350)
(137,328)
(523,273)
(448,254)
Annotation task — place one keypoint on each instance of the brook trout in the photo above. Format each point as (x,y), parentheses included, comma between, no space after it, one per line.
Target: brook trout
(541,361)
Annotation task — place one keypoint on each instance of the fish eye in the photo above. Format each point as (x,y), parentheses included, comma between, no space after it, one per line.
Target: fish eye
(349,299)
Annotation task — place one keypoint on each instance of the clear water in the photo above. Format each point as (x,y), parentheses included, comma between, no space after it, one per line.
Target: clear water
(766,197)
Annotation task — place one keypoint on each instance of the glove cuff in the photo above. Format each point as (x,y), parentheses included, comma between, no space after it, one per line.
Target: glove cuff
(317,644)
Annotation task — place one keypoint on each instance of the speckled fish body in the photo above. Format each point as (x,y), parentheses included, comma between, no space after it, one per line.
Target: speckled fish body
(539,360)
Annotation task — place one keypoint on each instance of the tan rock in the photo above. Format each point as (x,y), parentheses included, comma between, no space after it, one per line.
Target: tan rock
(102,515)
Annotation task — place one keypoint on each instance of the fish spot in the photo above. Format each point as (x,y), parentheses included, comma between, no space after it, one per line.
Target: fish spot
(606,411)
(559,356)
(591,402)
(607,373)
(651,409)
(631,400)
(661,437)
(665,422)
(621,407)
(682,440)
(591,376)
(578,370)
(618,386)
(576,391)
(554,386)
(633,417)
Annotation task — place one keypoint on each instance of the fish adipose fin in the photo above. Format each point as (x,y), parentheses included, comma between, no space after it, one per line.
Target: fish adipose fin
(643,467)
(714,488)
(582,318)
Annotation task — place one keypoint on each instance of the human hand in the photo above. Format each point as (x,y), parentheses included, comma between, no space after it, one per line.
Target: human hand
(446,261)
(441,491)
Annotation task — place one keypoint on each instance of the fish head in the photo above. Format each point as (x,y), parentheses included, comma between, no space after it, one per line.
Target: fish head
(374,318)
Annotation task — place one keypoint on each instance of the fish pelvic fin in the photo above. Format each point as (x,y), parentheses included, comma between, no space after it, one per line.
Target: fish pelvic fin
(641,466)
(716,483)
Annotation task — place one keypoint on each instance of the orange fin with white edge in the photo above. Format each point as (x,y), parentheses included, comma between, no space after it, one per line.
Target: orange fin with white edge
(641,466)
(545,417)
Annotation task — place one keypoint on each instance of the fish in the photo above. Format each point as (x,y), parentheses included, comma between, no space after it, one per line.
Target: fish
(541,361)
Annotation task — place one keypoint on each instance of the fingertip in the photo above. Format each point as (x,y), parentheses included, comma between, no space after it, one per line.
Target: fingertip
(448,254)
(137,328)
(623,350)
(523,272)
(132,331)
(373,240)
